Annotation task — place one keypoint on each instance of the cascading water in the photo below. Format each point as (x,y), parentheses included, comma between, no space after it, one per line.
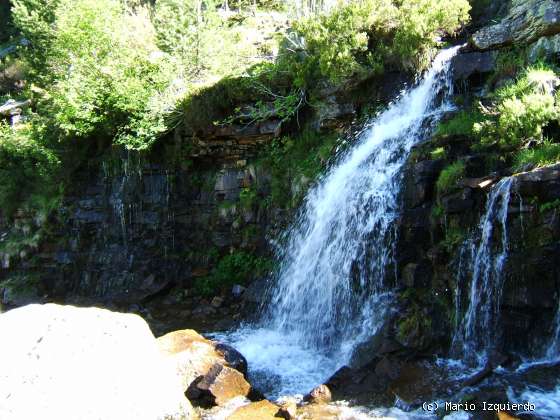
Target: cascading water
(331,292)
(477,334)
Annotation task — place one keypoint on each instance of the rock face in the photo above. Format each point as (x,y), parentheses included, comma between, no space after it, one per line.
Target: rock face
(319,395)
(65,362)
(527,21)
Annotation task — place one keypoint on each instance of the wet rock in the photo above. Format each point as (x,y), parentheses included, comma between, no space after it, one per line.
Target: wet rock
(319,395)
(459,202)
(217,301)
(526,21)
(237,290)
(464,66)
(232,357)
(546,48)
(222,383)
(417,275)
(261,410)
(66,363)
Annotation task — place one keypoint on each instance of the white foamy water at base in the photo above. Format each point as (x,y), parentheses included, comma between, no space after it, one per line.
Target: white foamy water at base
(547,403)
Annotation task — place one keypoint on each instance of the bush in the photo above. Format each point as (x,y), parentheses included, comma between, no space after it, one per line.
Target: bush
(27,169)
(368,35)
(520,110)
(98,69)
(462,124)
(238,267)
(544,154)
(449,177)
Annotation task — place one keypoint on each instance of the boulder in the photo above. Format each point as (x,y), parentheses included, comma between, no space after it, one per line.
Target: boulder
(194,356)
(546,48)
(319,395)
(221,384)
(288,409)
(62,362)
(470,64)
(261,410)
(526,21)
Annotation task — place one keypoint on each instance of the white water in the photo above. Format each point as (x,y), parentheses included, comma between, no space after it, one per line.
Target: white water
(478,334)
(332,291)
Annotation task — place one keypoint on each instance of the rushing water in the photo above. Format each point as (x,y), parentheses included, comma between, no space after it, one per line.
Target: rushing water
(477,334)
(332,290)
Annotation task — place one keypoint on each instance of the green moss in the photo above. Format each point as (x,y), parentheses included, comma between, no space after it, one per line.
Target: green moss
(450,176)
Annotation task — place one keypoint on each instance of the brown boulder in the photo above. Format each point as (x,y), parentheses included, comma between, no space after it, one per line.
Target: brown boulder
(262,410)
(221,384)
(192,354)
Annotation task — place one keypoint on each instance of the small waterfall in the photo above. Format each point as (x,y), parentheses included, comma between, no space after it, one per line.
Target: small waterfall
(478,334)
(553,348)
(333,288)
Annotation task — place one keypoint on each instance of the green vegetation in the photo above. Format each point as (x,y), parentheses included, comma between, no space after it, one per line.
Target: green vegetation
(123,74)
(462,124)
(294,163)
(450,176)
(239,267)
(550,205)
(543,154)
(520,110)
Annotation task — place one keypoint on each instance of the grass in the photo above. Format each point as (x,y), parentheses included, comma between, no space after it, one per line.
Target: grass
(449,177)
(545,154)
(461,124)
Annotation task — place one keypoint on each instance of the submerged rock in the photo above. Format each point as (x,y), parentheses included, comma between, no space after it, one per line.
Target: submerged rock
(63,362)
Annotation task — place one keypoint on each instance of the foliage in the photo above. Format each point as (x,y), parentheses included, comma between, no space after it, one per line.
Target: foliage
(293,160)
(97,69)
(238,267)
(449,177)
(550,205)
(520,110)
(26,169)
(365,36)
(462,124)
(438,153)
(544,154)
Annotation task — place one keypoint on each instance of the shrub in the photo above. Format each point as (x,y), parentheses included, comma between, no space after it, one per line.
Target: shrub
(449,177)
(521,110)
(368,35)
(98,69)
(544,154)
(462,124)
(239,267)
(27,169)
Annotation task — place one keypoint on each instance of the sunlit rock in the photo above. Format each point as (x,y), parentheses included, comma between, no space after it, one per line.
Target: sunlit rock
(67,363)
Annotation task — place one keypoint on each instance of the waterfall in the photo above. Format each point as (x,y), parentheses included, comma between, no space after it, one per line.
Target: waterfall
(478,334)
(333,287)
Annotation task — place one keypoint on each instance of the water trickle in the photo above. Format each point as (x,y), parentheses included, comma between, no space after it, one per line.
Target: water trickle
(333,288)
(553,349)
(477,334)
